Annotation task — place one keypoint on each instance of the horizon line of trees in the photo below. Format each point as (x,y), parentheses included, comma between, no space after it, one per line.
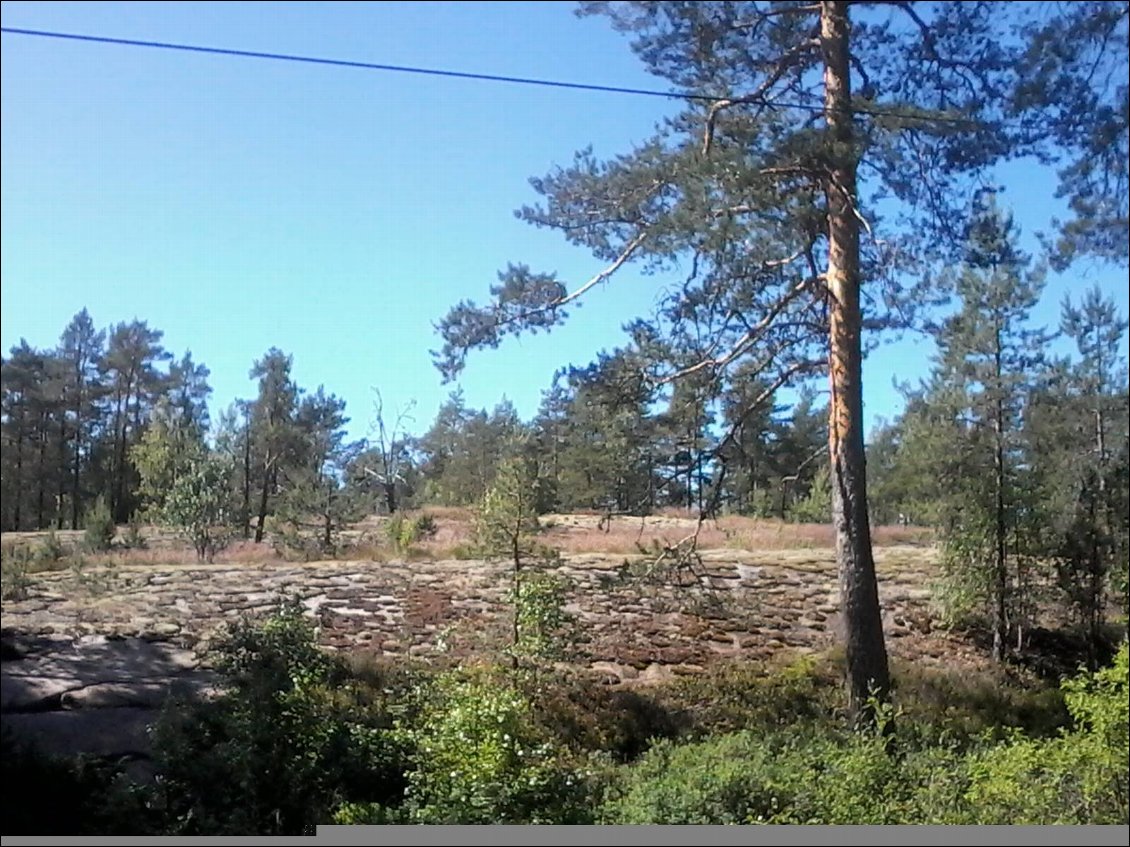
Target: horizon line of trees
(1020,459)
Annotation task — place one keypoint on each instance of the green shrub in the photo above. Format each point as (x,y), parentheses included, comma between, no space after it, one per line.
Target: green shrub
(403,531)
(49,552)
(464,552)
(134,540)
(425,527)
(196,505)
(482,759)
(971,706)
(1078,777)
(365,814)
(797,776)
(15,572)
(816,507)
(746,695)
(291,739)
(292,543)
(728,779)
(545,630)
(590,718)
(100,529)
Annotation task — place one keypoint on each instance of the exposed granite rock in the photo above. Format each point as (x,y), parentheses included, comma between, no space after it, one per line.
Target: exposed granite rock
(88,659)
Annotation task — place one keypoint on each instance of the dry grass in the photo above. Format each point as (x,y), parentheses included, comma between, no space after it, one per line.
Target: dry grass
(581,533)
(575,533)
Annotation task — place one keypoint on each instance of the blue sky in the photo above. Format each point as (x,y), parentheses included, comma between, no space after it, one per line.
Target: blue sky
(239,204)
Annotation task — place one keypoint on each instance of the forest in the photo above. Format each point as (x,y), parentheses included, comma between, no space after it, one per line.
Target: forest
(839,190)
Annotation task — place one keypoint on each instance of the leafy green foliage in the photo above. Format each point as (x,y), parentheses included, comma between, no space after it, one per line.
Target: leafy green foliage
(167,449)
(197,505)
(403,531)
(506,519)
(736,695)
(482,759)
(731,779)
(545,629)
(462,450)
(15,572)
(289,740)
(1077,777)
(819,774)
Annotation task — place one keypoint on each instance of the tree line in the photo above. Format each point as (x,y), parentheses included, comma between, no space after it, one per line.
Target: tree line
(109,415)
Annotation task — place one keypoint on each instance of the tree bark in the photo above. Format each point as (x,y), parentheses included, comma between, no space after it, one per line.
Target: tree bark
(866,653)
(19,492)
(247,473)
(75,471)
(268,476)
(41,482)
(80,385)
(1000,570)
(61,483)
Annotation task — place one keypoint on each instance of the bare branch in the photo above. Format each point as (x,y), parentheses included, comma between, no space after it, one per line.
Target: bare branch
(757,96)
(711,116)
(626,254)
(752,335)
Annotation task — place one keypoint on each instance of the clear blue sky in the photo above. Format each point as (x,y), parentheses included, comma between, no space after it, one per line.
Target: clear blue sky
(239,204)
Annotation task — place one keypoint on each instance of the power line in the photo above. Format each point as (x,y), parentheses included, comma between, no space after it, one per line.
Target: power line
(481,77)
(371,66)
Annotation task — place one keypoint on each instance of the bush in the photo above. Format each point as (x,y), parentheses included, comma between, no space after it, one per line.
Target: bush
(802,776)
(482,759)
(403,531)
(292,543)
(744,695)
(816,507)
(291,739)
(729,779)
(591,718)
(1078,777)
(813,775)
(50,551)
(100,528)
(545,630)
(197,505)
(15,572)
(134,540)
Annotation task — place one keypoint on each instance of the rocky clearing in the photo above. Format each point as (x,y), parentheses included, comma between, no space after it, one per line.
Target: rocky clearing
(89,656)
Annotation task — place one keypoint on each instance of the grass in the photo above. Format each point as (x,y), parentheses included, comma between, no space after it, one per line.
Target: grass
(579,534)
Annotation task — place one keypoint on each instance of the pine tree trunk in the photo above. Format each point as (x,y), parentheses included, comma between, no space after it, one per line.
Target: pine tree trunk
(866,652)
(19,492)
(41,482)
(80,383)
(268,475)
(1000,568)
(247,474)
(1100,534)
(75,470)
(61,486)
